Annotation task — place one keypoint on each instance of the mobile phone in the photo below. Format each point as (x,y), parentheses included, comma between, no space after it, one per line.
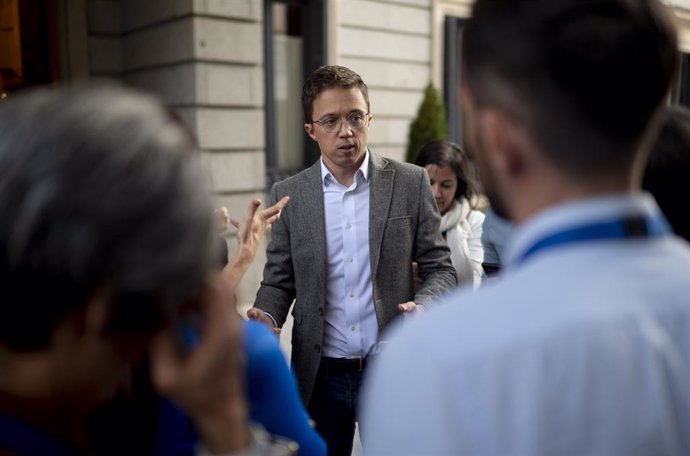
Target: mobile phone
(187,329)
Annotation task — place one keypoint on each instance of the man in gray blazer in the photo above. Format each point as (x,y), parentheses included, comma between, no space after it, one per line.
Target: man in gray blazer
(343,251)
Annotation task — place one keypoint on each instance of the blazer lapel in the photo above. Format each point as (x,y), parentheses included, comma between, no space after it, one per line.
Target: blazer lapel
(312,213)
(380,194)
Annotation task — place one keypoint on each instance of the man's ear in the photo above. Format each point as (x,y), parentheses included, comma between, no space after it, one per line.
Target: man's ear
(505,141)
(309,128)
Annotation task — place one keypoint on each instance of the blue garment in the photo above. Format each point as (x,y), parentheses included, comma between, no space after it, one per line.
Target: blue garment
(273,398)
(617,228)
(24,440)
(496,232)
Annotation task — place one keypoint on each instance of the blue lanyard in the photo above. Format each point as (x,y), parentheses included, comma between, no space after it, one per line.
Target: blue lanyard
(24,440)
(620,228)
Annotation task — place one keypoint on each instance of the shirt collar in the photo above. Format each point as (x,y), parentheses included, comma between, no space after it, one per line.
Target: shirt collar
(577,213)
(363,169)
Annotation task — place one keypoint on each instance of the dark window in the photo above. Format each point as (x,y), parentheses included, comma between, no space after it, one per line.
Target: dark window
(681,94)
(28,54)
(294,44)
(452,76)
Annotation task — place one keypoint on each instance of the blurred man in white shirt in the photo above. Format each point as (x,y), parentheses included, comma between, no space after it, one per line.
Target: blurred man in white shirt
(582,347)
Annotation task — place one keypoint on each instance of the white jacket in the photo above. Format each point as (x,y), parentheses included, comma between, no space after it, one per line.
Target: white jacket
(462,228)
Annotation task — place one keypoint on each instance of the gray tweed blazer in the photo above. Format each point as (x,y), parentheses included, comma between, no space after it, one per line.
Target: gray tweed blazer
(403,227)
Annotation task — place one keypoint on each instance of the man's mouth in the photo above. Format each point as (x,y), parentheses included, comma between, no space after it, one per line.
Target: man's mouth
(346,148)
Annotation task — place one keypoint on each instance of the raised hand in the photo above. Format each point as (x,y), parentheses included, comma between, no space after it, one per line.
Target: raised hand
(250,230)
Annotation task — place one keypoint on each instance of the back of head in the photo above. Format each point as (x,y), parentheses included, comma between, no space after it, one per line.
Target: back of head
(668,169)
(99,190)
(584,77)
(329,77)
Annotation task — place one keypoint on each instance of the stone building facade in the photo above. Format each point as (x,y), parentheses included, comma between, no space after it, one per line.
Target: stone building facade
(233,70)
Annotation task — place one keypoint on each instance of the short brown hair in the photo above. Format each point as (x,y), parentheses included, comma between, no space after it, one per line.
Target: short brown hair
(329,77)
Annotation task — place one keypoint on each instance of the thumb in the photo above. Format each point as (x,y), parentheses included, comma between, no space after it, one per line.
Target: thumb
(406,307)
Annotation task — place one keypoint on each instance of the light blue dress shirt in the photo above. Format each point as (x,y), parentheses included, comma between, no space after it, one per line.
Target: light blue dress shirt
(351,328)
(579,349)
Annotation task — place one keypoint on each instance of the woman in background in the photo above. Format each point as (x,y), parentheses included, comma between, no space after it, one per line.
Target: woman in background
(455,191)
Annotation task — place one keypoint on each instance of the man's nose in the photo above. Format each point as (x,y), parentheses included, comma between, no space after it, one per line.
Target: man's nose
(344,129)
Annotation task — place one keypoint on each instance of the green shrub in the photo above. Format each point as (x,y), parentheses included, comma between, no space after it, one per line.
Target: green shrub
(430,123)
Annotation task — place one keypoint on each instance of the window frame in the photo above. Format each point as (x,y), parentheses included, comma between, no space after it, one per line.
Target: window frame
(315,51)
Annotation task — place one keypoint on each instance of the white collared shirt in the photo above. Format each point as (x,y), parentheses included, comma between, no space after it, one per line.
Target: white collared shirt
(579,349)
(351,328)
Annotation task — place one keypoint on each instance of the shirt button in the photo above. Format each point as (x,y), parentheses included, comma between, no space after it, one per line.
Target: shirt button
(317,348)
(349,259)
(321,311)
(352,295)
(348,226)
(352,328)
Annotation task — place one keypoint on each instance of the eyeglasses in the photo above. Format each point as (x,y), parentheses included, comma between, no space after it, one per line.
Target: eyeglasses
(331,124)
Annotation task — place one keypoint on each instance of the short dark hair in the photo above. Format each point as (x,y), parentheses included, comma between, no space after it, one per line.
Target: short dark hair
(329,77)
(446,153)
(668,169)
(584,77)
(99,189)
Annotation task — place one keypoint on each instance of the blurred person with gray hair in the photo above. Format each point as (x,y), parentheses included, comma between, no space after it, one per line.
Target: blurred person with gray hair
(582,347)
(107,250)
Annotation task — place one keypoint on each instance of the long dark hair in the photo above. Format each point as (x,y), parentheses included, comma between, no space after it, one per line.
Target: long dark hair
(446,153)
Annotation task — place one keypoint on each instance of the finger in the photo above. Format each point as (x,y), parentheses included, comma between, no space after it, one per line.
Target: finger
(252,208)
(276,208)
(406,307)
(283,201)
(235,223)
(273,219)
(253,314)
(277,331)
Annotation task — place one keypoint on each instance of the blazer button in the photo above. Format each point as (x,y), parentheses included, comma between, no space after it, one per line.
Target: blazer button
(321,311)
(317,348)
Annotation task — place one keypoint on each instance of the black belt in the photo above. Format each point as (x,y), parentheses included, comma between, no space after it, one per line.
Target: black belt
(345,364)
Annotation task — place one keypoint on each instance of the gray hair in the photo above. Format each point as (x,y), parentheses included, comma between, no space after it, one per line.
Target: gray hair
(99,189)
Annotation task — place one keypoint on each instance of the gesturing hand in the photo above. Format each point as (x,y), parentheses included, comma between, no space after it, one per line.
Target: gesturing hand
(260,315)
(410,308)
(250,230)
(254,224)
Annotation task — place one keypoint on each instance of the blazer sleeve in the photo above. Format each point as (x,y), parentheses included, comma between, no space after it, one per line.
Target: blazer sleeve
(431,251)
(277,290)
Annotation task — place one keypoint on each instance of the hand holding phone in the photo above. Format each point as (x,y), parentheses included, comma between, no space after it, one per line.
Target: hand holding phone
(207,381)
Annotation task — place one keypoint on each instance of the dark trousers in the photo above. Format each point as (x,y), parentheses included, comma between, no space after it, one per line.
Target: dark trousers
(333,405)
